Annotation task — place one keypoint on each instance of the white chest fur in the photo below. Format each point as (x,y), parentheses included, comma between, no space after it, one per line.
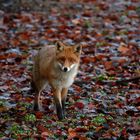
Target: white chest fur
(69,80)
(65,79)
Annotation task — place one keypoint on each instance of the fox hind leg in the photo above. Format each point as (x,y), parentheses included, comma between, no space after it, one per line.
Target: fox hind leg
(38,102)
(38,91)
(34,89)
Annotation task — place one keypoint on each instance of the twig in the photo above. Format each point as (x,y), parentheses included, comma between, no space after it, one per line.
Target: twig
(133,79)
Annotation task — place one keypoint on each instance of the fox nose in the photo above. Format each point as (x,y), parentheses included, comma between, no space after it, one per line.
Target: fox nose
(65,69)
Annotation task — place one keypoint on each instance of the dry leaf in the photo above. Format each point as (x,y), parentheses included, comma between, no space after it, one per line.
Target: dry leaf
(72,133)
(123,48)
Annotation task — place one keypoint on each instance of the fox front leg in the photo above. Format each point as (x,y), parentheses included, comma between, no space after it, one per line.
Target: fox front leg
(58,104)
(64,97)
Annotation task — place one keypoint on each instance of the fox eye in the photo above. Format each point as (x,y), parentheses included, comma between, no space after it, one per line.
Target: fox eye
(72,60)
(62,59)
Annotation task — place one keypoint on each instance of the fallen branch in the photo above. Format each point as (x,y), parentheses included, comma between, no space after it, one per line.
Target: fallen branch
(133,79)
(122,81)
(111,82)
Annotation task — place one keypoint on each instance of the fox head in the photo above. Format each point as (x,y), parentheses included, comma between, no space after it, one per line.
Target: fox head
(67,57)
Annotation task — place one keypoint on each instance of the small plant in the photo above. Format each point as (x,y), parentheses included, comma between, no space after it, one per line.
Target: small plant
(138,121)
(99,44)
(88,24)
(25,104)
(16,129)
(111,78)
(138,9)
(1,135)
(101,77)
(2,103)
(30,118)
(99,120)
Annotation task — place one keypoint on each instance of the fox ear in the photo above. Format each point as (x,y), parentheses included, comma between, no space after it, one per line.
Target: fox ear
(78,48)
(59,46)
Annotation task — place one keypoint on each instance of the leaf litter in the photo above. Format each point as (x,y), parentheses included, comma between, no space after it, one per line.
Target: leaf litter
(104,101)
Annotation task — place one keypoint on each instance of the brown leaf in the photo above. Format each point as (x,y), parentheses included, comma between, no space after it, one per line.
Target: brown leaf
(81,129)
(79,105)
(12,55)
(24,36)
(72,133)
(77,88)
(91,106)
(2,57)
(46,133)
(39,115)
(123,48)
(16,96)
(26,17)
(88,59)
(3,108)
(131,7)
(87,13)
(108,65)
(82,138)
(99,128)
(100,56)
(76,21)
(41,128)
(103,5)
(15,42)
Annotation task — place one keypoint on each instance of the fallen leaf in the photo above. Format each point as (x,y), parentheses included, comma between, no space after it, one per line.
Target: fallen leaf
(41,128)
(76,21)
(108,65)
(81,129)
(39,115)
(46,133)
(72,133)
(123,48)
(89,59)
(99,128)
(79,105)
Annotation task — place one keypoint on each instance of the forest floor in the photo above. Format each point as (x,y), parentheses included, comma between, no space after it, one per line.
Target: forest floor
(104,101)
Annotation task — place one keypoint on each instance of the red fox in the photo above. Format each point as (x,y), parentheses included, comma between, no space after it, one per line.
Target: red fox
(57,66)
